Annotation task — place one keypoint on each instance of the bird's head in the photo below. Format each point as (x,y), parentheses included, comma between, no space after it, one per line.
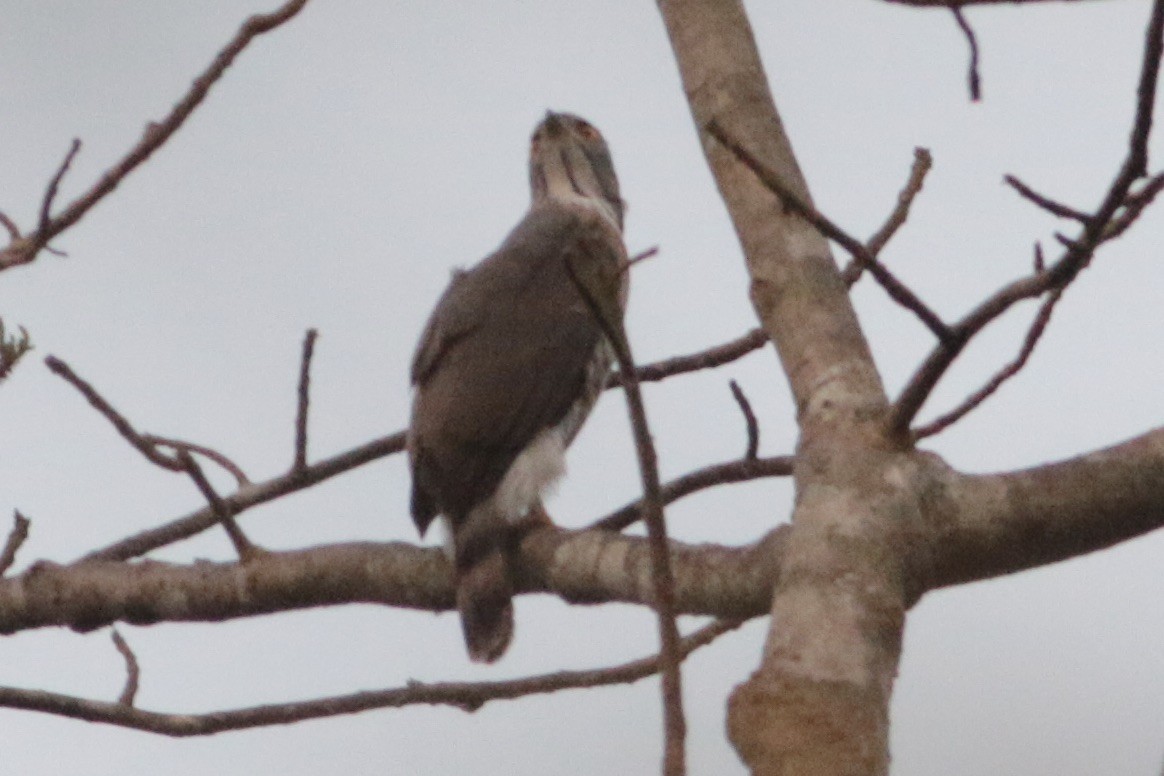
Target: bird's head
(569,161)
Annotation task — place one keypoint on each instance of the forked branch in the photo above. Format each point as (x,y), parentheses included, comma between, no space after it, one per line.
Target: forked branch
(894,287)
(1096,228)
(468,696)
(24,249)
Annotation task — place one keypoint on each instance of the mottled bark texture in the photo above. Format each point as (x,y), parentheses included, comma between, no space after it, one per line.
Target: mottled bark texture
(591,566)
(875,522)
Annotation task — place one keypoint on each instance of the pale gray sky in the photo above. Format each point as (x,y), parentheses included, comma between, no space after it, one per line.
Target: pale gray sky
(351,159)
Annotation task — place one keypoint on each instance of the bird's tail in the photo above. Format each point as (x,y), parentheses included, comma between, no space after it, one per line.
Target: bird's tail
(484,589)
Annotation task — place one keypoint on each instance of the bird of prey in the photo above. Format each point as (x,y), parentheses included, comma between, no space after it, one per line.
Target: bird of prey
(509,365)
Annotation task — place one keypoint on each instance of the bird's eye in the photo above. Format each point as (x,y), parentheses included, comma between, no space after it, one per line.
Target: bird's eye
(587,130)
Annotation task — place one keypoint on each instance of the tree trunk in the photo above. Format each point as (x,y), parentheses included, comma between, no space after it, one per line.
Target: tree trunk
(818,703)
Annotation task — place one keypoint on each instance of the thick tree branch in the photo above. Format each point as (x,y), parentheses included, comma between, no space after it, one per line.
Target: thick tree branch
(588,566)
(1001,523)
(795,286)
(819,701)
(468,696)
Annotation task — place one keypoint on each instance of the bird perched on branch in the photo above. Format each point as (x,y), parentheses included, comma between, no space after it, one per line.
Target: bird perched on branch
(509,366)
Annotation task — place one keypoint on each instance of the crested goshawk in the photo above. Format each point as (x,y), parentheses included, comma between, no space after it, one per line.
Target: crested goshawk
(508,367)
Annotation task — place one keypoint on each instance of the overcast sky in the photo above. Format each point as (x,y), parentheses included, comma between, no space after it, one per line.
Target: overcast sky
(349,160)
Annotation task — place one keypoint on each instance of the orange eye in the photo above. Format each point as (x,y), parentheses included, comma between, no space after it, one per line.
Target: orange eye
(587,130)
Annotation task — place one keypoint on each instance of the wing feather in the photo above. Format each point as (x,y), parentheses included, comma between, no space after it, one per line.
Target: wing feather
(503,356)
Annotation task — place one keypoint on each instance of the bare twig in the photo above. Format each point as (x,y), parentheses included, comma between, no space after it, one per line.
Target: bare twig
(12,349)
(894,287)
(50,194)
(705,359)
(132,670)
(922,162)
(242,545)
(16,537)
(260,493)
(123,426)
(10,226)
(1034,333)
(24,250)
(181,460)
(649,253)
(1078,252)
(701,479)
(1134,205)
(250,496)
(973,78)
(304,401)
(749,418)
(206,452)
(1046,203)
(600,292)
(464,695)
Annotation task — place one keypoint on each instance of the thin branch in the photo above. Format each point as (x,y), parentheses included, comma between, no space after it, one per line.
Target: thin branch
(649,253)
(148,445)
(10,226)
(1076,257)
(705,359)
(24,250)
(1046,203)
(132,670)
(242,545)
(249,496)
(50,194)
(260,493)
(601,293)
(468,696)
(304,401)
(749,418)
(1134,206)
(123,426)
(975,82)
(207,452)
(12,349)
(255,494)
(894,287)
(701,479)
(922,162)
(16,538)
(1034,333)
